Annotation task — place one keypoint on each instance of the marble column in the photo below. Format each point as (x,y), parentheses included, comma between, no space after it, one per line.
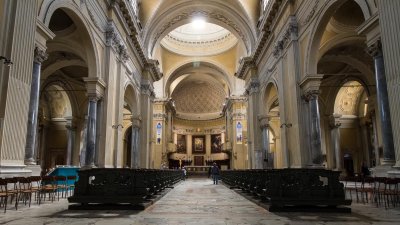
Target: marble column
(264,125)
(375,50)
(71,132)
(39,56)
(135,153)
(335,138)
(91,133)
(375,133)
(316,158)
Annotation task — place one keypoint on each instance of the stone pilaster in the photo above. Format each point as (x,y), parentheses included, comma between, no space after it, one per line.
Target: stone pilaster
(146,97)
(254,134)
(389,22)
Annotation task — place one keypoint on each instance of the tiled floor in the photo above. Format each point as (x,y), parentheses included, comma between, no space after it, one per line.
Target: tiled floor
(194,201)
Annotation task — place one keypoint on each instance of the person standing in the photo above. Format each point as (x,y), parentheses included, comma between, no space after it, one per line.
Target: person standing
(184,173)
(215,173)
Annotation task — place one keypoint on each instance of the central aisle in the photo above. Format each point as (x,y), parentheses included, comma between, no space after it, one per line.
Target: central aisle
(198,201)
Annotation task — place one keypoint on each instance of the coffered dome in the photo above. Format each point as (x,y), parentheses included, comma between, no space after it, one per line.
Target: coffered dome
(199,99)
(199,39)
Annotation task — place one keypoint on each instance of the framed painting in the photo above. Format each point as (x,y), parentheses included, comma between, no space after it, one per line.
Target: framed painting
(181,144)
(198,144)
(216,145)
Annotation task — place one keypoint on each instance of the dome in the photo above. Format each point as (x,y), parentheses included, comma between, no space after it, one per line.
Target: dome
(199,39)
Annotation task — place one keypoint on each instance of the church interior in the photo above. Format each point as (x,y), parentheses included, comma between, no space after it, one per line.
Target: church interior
(166,84)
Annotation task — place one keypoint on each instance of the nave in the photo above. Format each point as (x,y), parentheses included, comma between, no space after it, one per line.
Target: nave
(195,201)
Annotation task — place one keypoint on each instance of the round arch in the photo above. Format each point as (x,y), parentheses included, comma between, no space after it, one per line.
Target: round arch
(217,12)
(48,8)
(65,86)
(179,71)
(132,99)
(327,11)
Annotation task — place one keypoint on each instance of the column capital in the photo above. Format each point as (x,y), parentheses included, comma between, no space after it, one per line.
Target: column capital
(71,123)
(146,88)
(253,86)
(40,55)
(311,95)
(375,49)
(263,121)
(95,87)
(334,121)
(136,121)
(310,85)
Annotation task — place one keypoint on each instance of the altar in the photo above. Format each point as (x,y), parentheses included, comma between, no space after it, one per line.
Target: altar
(197,170)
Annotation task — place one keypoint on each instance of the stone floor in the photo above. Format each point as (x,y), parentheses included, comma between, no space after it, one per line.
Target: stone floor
(194,201)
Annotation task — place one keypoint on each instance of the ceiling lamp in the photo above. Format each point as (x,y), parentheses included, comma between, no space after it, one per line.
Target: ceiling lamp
(198,23)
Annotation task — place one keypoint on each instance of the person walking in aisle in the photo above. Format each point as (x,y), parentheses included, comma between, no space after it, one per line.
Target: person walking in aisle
(215,173)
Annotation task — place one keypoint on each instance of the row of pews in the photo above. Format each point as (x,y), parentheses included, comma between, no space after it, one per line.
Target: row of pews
(292,189)
(121,186)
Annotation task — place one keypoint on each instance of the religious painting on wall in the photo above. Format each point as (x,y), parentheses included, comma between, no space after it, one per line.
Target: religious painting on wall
(198,144)
(216,143)
(239,133)
(159,132)
(181,143)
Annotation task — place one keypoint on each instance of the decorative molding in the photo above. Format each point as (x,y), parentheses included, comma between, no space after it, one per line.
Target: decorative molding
(245,64)
(160,116)
(290,34)
(310,14)
(131,20)
(114,40)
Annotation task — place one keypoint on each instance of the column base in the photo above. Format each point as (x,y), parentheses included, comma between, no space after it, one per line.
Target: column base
(88,167)
(315,166)
(14,171)
(36,169)
(29,161)
(382,170)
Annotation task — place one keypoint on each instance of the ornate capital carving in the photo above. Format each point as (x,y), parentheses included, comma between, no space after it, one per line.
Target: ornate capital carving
(114,40)
(253,86)
(310,95)
(40,55)
(147,88)
(334,121)
(264,121)
(136,120)
(94,97)
(375,49)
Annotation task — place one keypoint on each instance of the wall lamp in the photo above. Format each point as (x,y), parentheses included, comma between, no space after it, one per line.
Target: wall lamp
(287,125)
(7,62)
(117,125)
